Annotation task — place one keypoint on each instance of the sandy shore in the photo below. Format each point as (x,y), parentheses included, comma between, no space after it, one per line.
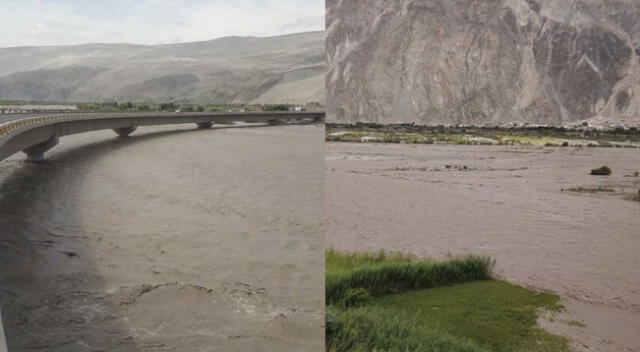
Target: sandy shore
(173,240)
(507,202)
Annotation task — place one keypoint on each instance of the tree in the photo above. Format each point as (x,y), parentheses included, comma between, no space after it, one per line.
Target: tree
(280,107)
(125,106)
(168,107)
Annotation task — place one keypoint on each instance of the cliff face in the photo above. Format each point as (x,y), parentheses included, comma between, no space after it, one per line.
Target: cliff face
(483,61)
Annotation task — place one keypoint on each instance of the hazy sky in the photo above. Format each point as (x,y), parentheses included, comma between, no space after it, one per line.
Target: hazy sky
(56,22)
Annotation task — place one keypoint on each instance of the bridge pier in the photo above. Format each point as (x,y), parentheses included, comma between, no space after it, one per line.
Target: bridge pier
(204,125)
(125,131)
(36,152)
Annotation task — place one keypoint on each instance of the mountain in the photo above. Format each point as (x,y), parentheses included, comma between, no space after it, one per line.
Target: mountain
(483,62)
(281,69)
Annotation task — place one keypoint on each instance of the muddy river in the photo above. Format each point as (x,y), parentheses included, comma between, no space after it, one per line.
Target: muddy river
(173,240)
(536,210)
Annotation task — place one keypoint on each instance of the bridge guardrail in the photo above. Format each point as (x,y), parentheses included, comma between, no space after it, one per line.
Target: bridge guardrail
(7,127)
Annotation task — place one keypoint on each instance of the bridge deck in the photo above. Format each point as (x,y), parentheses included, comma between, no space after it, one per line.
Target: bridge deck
(23,132)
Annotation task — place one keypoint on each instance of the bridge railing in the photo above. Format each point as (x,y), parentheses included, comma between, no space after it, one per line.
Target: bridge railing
(10,126)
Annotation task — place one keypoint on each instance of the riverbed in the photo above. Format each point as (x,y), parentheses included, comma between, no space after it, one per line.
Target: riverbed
(536,210)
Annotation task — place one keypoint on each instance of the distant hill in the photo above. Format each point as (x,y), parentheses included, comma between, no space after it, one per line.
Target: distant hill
(483,62)
(281,69)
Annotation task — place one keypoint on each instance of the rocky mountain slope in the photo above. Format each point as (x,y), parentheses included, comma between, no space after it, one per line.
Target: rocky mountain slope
(280,69)
(483,62)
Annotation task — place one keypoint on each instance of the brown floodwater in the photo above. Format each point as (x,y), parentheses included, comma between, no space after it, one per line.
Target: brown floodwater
(173,240)
(516,204)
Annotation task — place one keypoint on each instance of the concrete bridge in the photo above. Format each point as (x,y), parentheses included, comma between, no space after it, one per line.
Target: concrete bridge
(37,134)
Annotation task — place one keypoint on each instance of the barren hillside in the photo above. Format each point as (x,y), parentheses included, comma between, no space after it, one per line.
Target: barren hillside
(280,69)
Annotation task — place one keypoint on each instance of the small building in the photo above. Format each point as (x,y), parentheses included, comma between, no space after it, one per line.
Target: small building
(32,108)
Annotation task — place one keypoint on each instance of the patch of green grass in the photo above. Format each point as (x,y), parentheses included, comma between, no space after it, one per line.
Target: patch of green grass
(397,303)
(347,261)
(495,314)
(375,329)
(397,275)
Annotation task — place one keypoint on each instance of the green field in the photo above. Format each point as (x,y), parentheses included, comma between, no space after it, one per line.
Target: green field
(543,136)
(391,302)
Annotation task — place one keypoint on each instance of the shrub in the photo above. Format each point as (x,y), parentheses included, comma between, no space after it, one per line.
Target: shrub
(168,107)
(601,171)
(565,144)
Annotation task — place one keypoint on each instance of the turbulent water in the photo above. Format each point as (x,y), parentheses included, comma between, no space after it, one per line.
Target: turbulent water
(521,205)
(173,240)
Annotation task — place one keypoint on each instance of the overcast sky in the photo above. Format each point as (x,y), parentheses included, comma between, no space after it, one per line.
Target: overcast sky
(62,22)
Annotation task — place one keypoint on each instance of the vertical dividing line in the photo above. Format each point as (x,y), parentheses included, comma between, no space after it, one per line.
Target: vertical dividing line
(3,340)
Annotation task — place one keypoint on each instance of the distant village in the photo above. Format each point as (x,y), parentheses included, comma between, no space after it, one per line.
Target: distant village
(172,107)
(585,125)
(31,109)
